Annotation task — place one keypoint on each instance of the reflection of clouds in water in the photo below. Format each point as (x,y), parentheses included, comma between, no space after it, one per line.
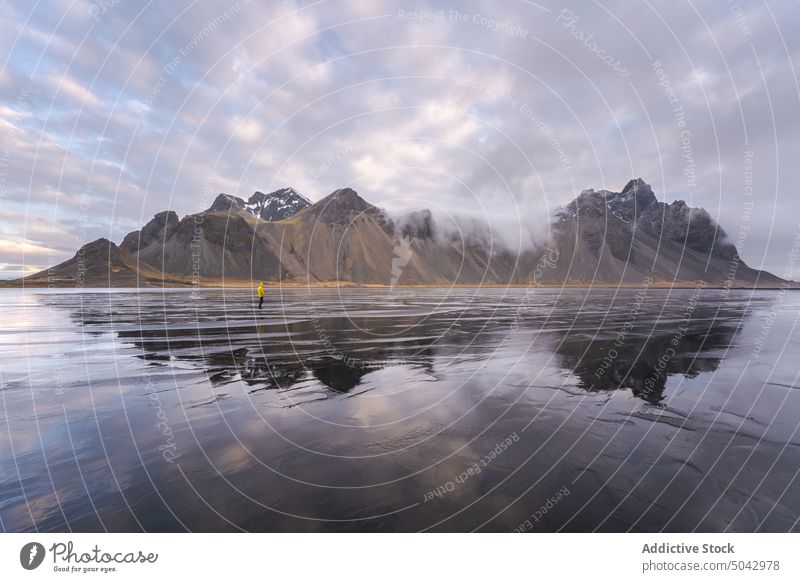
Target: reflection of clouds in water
(272,411)
(232,459)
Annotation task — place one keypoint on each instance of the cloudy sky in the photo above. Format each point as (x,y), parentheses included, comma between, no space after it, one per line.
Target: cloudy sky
(113,110)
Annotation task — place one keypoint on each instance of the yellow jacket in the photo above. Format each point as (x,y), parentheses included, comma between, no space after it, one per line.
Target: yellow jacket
(261,290)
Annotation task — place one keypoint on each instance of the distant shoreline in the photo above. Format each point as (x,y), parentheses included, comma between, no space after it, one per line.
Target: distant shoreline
(792,286)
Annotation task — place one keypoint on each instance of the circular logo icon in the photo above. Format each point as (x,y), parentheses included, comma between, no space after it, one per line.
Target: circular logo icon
(31,555)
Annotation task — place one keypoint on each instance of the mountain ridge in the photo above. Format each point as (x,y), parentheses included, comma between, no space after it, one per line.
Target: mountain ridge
(276,205)
(600,238)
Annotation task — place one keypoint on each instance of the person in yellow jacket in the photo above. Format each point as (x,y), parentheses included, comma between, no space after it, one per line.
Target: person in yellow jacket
(260,294)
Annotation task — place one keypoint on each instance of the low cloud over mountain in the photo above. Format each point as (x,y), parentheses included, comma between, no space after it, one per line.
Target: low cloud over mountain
(600,238)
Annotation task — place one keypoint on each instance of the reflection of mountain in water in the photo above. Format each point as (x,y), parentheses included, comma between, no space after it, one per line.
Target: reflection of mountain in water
(639,353)
(335,351)
(253,355)
(602,340)
(339,375)
(233,384)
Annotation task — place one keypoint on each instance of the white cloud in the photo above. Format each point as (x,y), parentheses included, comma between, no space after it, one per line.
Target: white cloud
(278,90)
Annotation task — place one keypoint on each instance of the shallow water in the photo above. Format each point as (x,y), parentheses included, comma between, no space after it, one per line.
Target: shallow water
(436,409)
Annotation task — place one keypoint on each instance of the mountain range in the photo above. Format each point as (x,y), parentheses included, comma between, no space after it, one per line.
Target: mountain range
(600,238)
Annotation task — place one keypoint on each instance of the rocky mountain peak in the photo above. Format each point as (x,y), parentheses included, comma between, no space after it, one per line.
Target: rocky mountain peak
(635,199)
(348,199)
(101,244)
(589,203)
(635,211)
(226,203)
(637,185)
(277,205)
(271,207)
(99,254)
(342,206)
(343,201)
(165,217)
(159,229)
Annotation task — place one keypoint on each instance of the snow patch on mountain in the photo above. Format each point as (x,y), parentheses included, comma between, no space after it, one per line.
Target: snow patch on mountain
(277,205)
